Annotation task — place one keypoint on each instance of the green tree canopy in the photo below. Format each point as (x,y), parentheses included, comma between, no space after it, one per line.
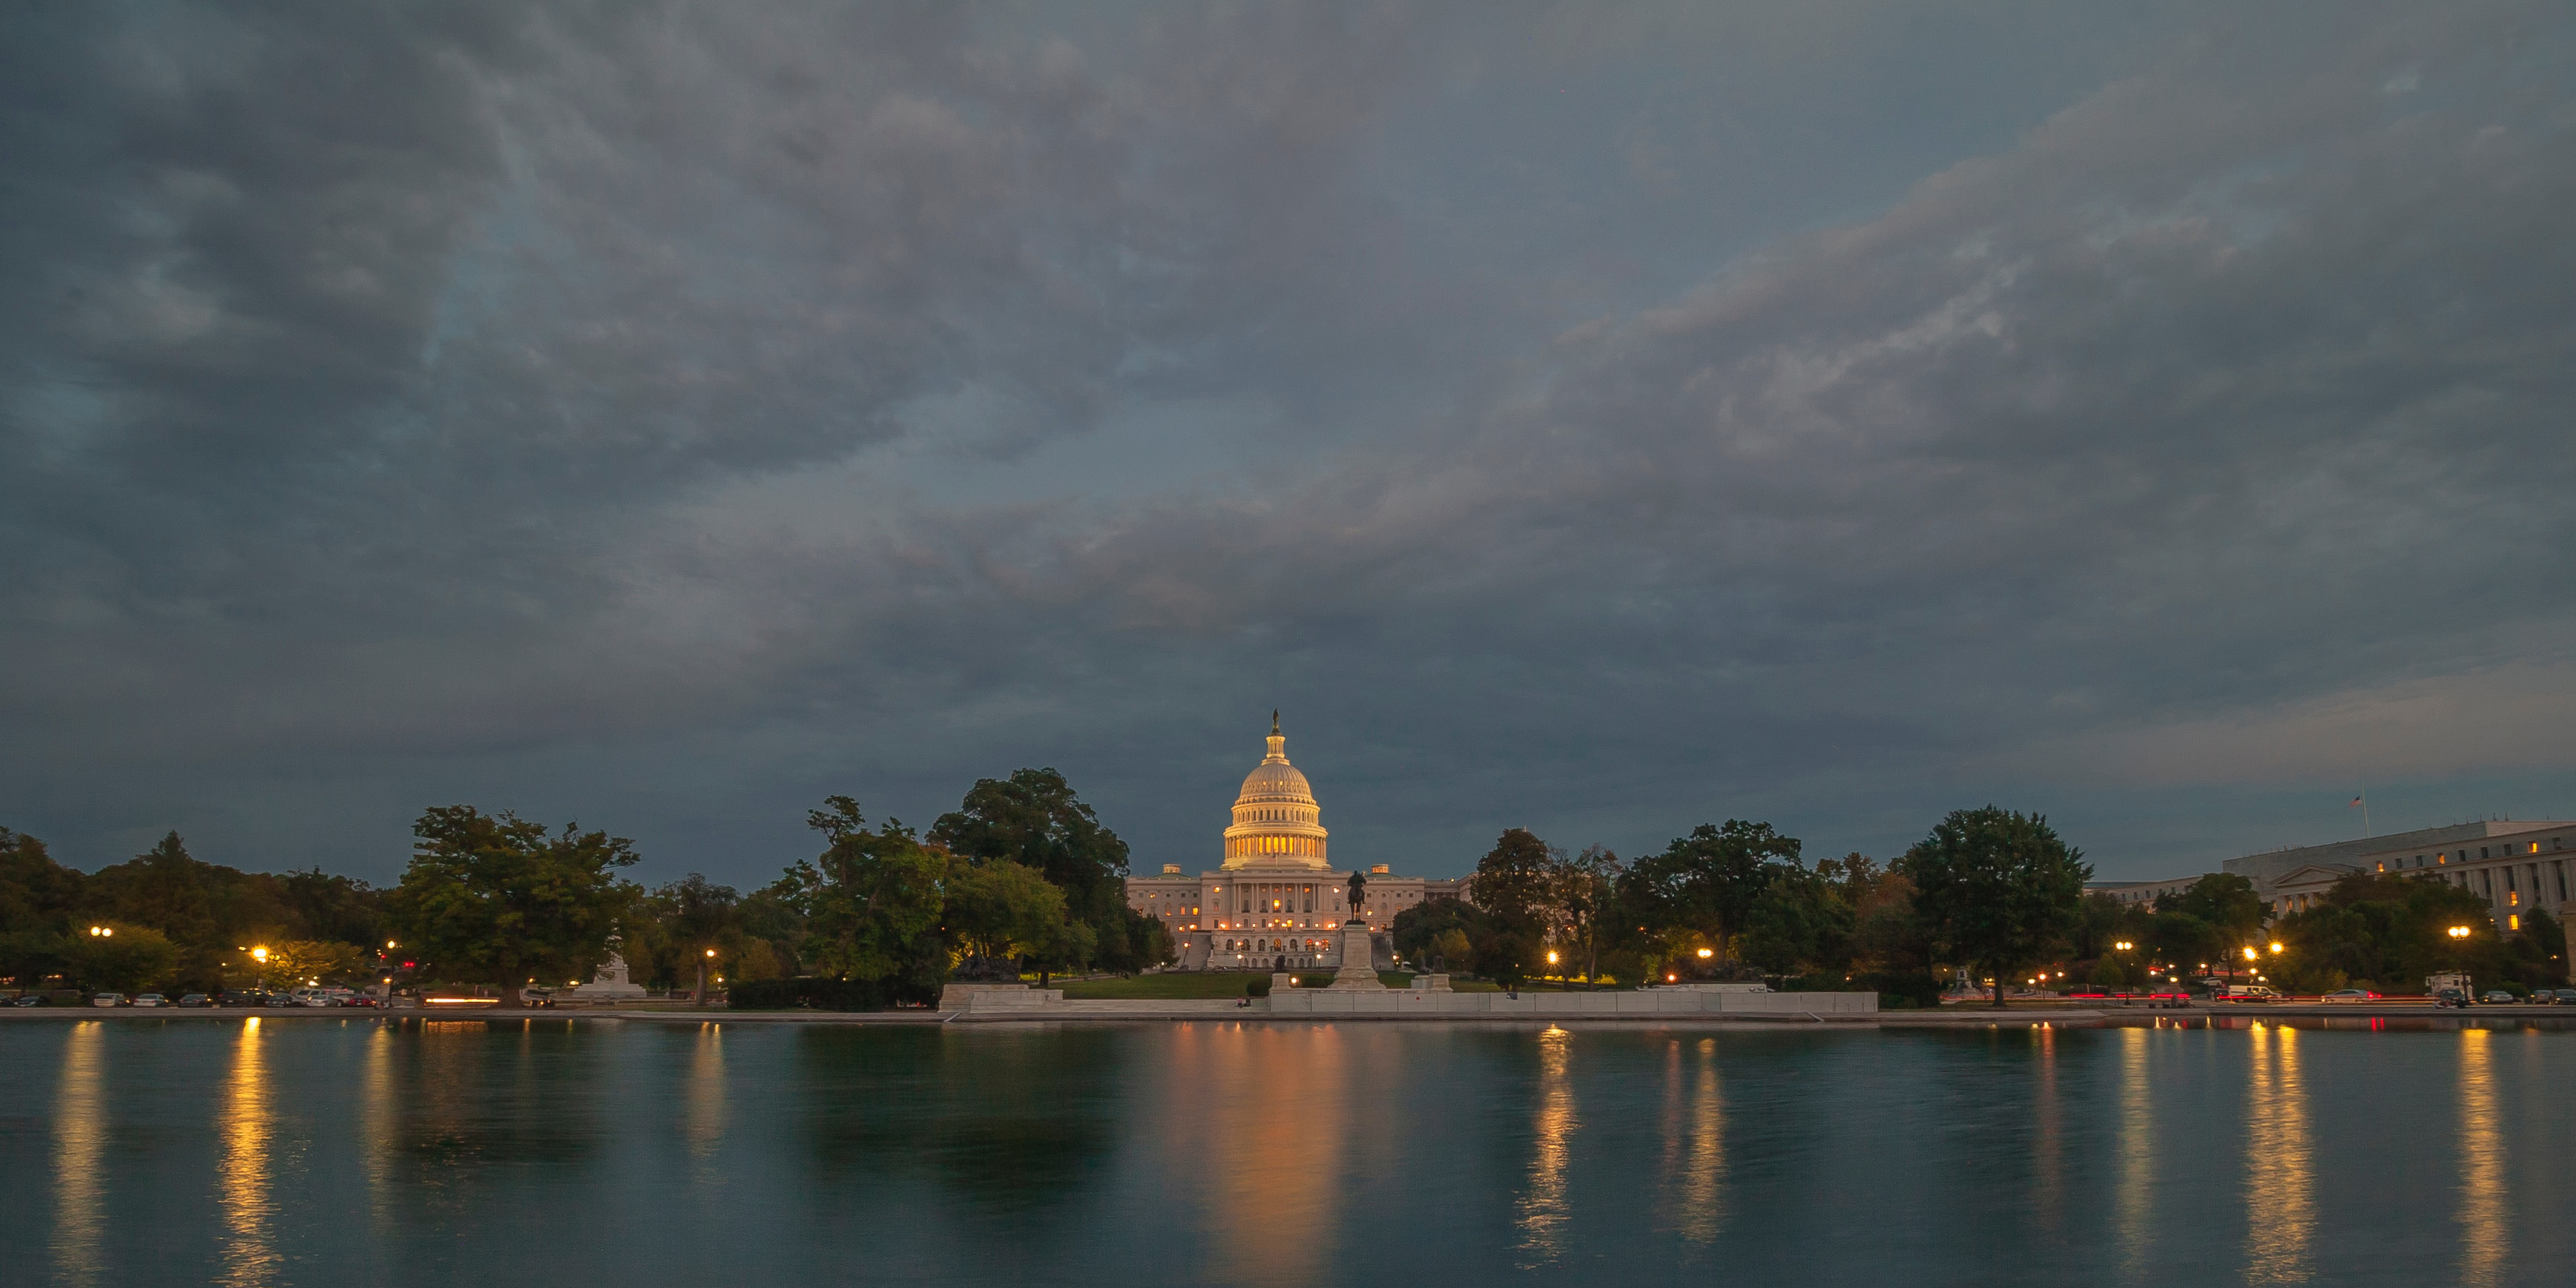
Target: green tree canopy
(872,901)
(1034,819)
(2226,902)
(1515,883)
(1702,886)
(1998,889)
(2393,931)
(496,899)
(133,959)
(1800,922)
(1002,910)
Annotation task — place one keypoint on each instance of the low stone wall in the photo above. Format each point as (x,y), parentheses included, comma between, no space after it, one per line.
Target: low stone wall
(995,997)
(1396,1002)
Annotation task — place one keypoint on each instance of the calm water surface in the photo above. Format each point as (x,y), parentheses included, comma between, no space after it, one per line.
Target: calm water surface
(597,1152)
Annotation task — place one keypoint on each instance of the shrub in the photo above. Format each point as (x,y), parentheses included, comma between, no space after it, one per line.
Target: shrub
(1897,990)
(817,993)
(1258,988)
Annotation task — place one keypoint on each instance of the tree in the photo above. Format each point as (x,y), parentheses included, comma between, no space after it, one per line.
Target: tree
(2393,931)
(1034,819)
(1702,885)
(2228,905)
(132,958)
(1516,880)
(36,893)
(1585,896)
(1800,922)
(1515,886)
(496,899)
(1998,888)
(294,963)
(1445,928)
(1000,910)
(871,902)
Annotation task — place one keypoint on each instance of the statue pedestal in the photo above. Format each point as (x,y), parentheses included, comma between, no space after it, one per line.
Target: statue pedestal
(1356,974)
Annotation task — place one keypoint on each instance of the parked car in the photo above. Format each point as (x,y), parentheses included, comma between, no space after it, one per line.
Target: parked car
(31,999)
(2450,997)
(150,999)
(2499,997)
(2566,996)
(362,999)
(108,999)
(2352,995)
(194,999)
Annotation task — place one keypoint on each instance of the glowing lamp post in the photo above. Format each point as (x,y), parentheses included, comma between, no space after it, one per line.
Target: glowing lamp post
(703,962)
(260,955)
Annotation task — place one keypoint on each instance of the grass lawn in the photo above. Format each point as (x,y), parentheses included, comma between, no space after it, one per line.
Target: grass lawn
(1165,987)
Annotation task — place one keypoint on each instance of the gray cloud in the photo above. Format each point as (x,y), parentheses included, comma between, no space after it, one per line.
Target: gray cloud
(1829,413)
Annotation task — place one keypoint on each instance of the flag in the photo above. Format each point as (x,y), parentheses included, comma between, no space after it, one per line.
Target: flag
(2355,801)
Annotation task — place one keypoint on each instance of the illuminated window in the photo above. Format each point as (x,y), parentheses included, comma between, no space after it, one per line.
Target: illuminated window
(2513,923)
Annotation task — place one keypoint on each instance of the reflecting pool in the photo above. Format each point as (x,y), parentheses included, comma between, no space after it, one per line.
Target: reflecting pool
(471,1151)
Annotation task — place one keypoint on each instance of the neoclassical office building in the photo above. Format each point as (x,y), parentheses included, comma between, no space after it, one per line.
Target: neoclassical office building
(1275,901)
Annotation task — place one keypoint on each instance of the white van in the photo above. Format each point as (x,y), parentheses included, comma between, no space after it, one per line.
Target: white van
(2245,993)
(315,997)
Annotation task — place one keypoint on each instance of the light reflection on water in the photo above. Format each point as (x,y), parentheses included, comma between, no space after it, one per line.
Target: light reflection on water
(2481,1164)
(457,1151)
(2135,1203)
(242,1176)
(1544,1205)
(2280,1175)
(1694,1129)
(80,1141)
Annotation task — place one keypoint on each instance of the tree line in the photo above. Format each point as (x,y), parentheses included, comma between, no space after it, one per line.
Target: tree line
(1022,875)
(1989,891)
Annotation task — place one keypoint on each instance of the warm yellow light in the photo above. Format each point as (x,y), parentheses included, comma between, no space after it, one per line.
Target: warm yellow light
(1669,979)
(711,952)
(2459,932)
(2249,952)
(1551,957)
(1708,952)
(2276,945)
(260,955)
(2124,945)
(389,943)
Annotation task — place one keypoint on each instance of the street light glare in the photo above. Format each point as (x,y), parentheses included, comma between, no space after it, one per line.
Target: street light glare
(1708,952)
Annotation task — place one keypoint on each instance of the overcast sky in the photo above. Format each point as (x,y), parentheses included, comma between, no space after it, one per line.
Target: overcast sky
(1599,419)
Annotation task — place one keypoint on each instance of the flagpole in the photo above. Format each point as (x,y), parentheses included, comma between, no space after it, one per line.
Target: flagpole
(2365,813)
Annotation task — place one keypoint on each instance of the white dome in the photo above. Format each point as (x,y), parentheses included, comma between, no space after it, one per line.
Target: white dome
(1277,823)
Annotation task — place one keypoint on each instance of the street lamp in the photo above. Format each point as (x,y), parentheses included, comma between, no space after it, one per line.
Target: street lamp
(702,977)
(2276,945)
(2124,945)
(2459,932)
(260,955)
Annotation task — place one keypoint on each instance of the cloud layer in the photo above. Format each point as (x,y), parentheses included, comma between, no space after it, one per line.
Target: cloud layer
(1833,414)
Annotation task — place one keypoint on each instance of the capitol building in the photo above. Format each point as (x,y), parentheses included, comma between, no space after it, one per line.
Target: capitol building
(1276,902)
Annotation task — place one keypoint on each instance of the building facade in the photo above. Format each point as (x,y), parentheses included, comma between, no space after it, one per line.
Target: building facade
(2515,867)
(1275,901)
